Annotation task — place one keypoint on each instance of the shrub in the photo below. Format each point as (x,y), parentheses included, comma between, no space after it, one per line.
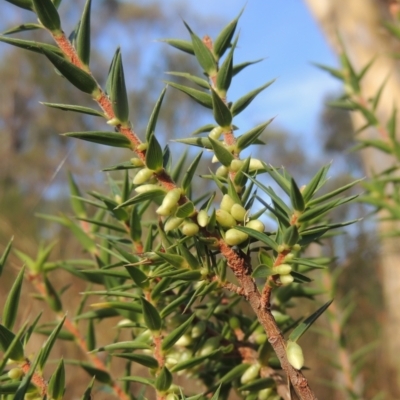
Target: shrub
(175,269)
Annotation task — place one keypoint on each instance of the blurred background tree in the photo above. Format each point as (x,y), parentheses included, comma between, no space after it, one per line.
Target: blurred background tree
(359,27)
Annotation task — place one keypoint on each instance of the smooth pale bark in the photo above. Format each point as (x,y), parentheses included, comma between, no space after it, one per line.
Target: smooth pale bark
(359,25)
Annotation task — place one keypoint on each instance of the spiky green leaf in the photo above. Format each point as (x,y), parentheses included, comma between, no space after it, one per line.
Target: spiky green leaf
(296,197)
(151,316)
(203,54)
(22,28)
(151,125)
(45,351)
(239,105)
(26,4)
(224,77)
(118,93)
(252,135)
(223,155)
(48,15)
(142,359)
(141,197)
(5,254)
(82,39)
(30,45)
(239,67)
(197,95)
(176,334)
(222,114)
(196,141)
(56,387)
(223,40)
(315,183)
(262,237)
(193,78)
(154,154)
(185,210)
(112,139)
(299,331)
(183,45)
(79,78)
(188,177)
(8,344)
(163,380)
(71,107)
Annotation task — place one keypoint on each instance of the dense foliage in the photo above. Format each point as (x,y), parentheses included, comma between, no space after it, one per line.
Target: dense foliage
(180,269)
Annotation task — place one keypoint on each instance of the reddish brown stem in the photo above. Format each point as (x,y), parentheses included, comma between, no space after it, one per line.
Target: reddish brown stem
(79,340)
(37,379)
(242,269)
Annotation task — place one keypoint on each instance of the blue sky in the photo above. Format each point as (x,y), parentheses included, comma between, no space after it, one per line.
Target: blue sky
(290,40)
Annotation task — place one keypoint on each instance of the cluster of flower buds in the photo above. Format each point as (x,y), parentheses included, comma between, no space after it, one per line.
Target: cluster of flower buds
(229,215)
(142,176)
(284,272)
(223,171)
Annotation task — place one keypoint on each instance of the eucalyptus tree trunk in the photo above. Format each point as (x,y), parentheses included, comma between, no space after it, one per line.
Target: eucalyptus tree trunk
(358,23)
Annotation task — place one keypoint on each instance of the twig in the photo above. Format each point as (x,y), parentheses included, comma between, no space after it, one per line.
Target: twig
(242,270)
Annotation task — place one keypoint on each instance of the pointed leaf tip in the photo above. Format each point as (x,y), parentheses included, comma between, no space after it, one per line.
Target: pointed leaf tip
(79,78)
(47,14)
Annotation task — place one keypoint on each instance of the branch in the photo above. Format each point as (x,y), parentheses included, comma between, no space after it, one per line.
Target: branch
(242,269)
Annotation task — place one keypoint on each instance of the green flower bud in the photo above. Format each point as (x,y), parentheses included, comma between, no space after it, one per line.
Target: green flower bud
(234,237)
(256,225)
(172,396)
(222,171)
(147,188)
(189,229)
(250,374)
(215,133)
(173,223)
(142,176)
(295,355)
(170,361)
(234,322)
(15,373)
(227,203)
(283,269)
(164,211)
(171,198)
(198,329)
(238,212)
(224,218)
(184,355)
(184,341)
(236,165)
(289,257)
(255,164)
(124,322)
(265,394)
(202,218)
(137,162)
(286,279)
(279,317)
(114,122)
(210,345)
(260,338)
(296,247)
(142,146)
(118,199)
(281,248)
